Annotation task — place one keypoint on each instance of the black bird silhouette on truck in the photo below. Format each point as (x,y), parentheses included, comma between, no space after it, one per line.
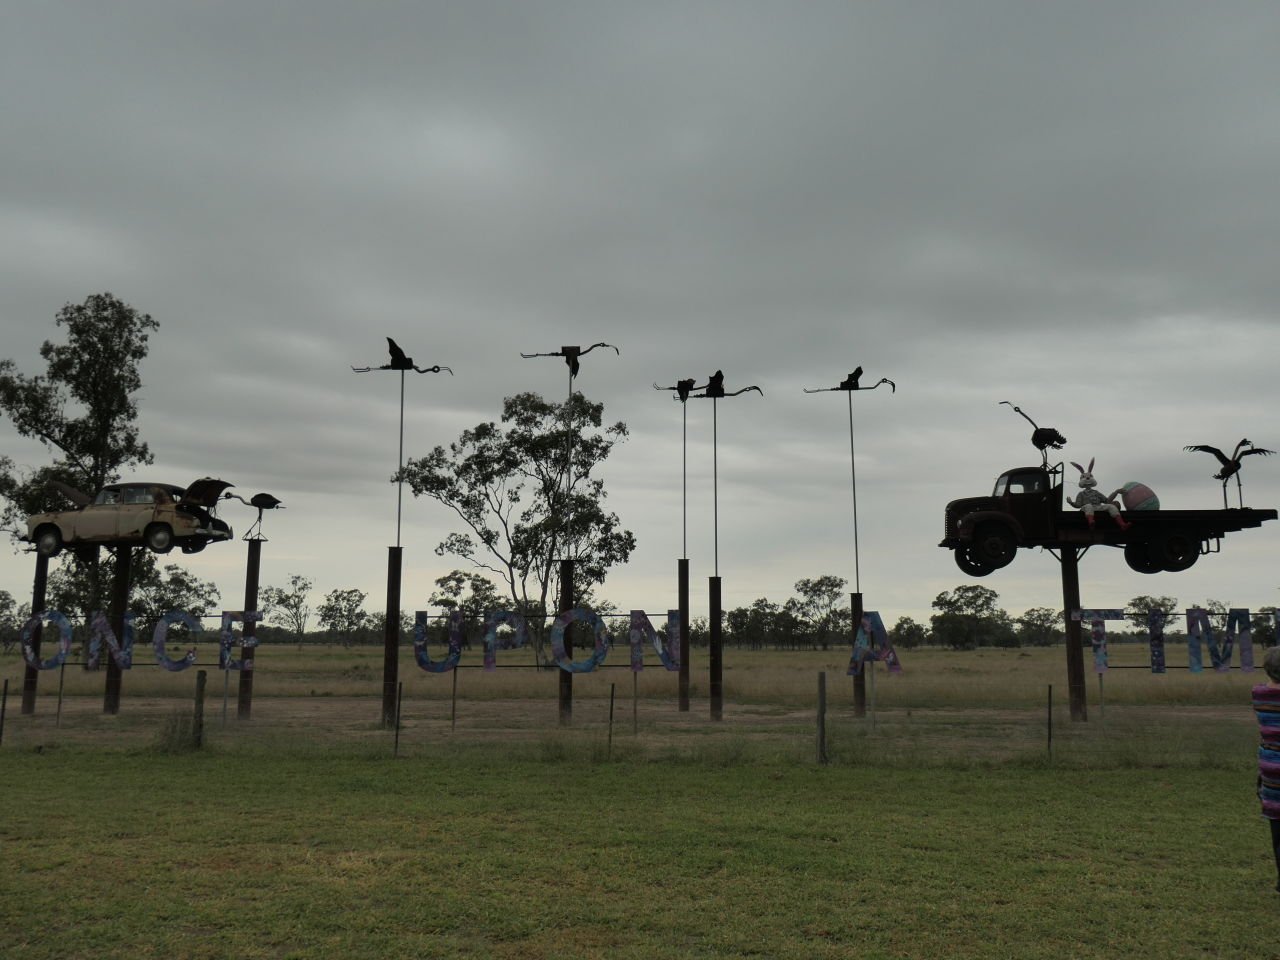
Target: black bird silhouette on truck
(1025,510)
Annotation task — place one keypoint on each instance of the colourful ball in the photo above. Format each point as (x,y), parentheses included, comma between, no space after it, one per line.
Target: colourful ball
(1138,496)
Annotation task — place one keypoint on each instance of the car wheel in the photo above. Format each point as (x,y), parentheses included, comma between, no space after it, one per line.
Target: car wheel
(1139,557)
(967,562)
(1177,550)
(48,542)
(159,537)
(994,545)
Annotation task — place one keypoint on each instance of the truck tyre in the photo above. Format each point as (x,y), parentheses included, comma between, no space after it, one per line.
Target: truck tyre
(1176,550)
(1139,558)
(994,545)
(967,562)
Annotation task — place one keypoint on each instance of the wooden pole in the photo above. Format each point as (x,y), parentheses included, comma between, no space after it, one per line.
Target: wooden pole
(635,704)
(244,693)
(62,679)
(30,675)
(391,636)
(119,604)
(717,652)
(197,727)
(4,705)
(566,678)
(683,573)
(1075,645)
(860,678)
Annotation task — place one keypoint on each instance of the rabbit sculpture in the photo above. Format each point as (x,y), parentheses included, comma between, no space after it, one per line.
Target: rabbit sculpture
(1090,501)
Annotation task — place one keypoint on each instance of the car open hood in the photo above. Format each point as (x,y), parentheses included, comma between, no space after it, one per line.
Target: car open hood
(205,492)
(78,497)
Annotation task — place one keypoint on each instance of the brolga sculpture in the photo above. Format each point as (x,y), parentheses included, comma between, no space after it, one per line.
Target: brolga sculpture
(571,356)
(1230,465)
(401,363)
(390,662)
(849,385)
(1042,438)
(714,390)
(262,501)
(682,390)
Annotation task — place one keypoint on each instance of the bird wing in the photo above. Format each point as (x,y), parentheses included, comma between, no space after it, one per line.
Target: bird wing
(1204,448)
(397,355)
(1257,450)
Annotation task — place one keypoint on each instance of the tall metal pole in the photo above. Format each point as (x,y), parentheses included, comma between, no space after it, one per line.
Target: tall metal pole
(716,679)
(567,599)
(853,473)
(400,463)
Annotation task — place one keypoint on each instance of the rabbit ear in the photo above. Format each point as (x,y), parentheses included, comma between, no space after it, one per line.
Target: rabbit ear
(1091,459)
(1077,466)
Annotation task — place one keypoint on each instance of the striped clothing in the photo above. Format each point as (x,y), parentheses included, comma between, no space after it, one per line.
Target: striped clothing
(1266,705)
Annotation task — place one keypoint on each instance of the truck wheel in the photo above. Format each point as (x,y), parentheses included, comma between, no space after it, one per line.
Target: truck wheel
(1138,556)
(1177,550)
(994,545)
(966,561)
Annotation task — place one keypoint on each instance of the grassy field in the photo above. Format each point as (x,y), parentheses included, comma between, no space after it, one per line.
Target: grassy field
(943,828)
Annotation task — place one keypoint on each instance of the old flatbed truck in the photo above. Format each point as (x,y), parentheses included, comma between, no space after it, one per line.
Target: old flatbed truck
(1026,510)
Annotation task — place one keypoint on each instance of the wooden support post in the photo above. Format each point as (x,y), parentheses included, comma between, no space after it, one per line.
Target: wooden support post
(119,605)
(244,698)
(566,678)
(30,675)
(1075,644)
(683,573)
(197,726)
(717,650)
(860,679)
(391,637)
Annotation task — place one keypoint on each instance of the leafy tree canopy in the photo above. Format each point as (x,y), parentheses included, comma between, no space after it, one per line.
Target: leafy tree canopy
(526,497)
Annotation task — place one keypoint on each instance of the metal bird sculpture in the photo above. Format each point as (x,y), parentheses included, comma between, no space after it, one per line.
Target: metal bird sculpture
(682,389)
(1042,438)
(262,501)
(851,383)
(400,362)
(571,355)
(1230,465)
(714,388)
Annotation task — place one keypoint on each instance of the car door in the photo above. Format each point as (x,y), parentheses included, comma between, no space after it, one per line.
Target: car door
(136,510)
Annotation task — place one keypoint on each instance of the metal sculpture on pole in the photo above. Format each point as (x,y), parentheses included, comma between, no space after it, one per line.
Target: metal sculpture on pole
(849,385)
(682,390)
(571,355)
(1230,465)
(714,390)
(391,643)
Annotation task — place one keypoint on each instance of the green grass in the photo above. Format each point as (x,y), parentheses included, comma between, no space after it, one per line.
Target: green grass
(509,852)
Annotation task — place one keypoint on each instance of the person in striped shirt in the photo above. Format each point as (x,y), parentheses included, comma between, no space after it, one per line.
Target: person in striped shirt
(1266,706)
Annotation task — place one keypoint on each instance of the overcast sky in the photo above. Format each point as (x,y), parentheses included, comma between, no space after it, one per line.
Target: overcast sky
(1069,206)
